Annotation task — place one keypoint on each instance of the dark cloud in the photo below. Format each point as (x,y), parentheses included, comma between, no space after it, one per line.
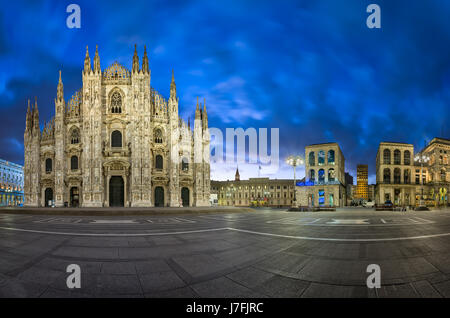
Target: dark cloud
(311,68)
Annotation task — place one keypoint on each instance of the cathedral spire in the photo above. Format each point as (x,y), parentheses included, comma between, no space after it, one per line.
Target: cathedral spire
(97,68)
(60,90)
(87,62)
(237,176)
(135,60)
(173,87)
(145,66)
(197,111)
(35,114)
(205,116)
(29,118)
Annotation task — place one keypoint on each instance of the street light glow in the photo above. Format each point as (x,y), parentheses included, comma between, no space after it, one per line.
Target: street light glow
(294,160)
(422,158)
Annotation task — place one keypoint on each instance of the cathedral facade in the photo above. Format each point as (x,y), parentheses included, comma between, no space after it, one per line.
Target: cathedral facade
(116,142)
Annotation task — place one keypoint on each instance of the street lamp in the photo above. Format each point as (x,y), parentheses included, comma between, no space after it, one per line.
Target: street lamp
(294,161)
(421,158)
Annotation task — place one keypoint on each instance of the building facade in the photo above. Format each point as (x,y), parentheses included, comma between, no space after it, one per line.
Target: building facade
(362,184)
(325,177)
(394,166)
(404,181)
(254,192)
(435,173)
(11,184)
(117,142)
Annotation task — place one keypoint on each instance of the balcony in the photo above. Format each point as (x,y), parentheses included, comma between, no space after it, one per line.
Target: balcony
(116,151)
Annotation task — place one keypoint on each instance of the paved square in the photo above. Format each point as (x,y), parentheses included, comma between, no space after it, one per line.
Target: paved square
(263,253)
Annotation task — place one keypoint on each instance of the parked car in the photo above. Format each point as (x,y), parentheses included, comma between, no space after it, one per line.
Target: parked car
(388,204)
(369,204)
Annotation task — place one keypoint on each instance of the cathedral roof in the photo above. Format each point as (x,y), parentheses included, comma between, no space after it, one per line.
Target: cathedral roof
(49,130)
(74,104)
(116,73)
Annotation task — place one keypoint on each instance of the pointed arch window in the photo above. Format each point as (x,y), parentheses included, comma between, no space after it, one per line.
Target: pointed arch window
(158,136)
(75,137)
(116,103)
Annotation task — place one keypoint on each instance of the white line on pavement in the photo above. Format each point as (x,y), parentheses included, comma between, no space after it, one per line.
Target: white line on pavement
(113,222)
(342,240)
(423,220)
(112,234)
(231,229)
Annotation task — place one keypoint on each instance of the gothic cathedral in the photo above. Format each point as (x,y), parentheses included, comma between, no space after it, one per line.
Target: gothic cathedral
(117,142)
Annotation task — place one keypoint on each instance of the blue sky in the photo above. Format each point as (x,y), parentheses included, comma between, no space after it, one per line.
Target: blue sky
(310,68)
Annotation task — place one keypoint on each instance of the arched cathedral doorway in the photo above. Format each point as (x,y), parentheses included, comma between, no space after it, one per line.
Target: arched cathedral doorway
(48,196)
(74,197)
(116,191)
(185,196)
(159,196)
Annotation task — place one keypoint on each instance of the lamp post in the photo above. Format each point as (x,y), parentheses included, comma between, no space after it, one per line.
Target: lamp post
(294,161)
(421,158)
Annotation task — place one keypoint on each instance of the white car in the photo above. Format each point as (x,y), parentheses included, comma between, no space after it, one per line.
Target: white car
(369,204)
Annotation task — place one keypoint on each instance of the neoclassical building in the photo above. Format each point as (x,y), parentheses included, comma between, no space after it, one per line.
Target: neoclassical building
(254,192)
(117,142)
(11,183)
(394,166)
(406,181)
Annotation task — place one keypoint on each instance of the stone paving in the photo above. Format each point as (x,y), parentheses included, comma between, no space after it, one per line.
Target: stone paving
(263,253)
